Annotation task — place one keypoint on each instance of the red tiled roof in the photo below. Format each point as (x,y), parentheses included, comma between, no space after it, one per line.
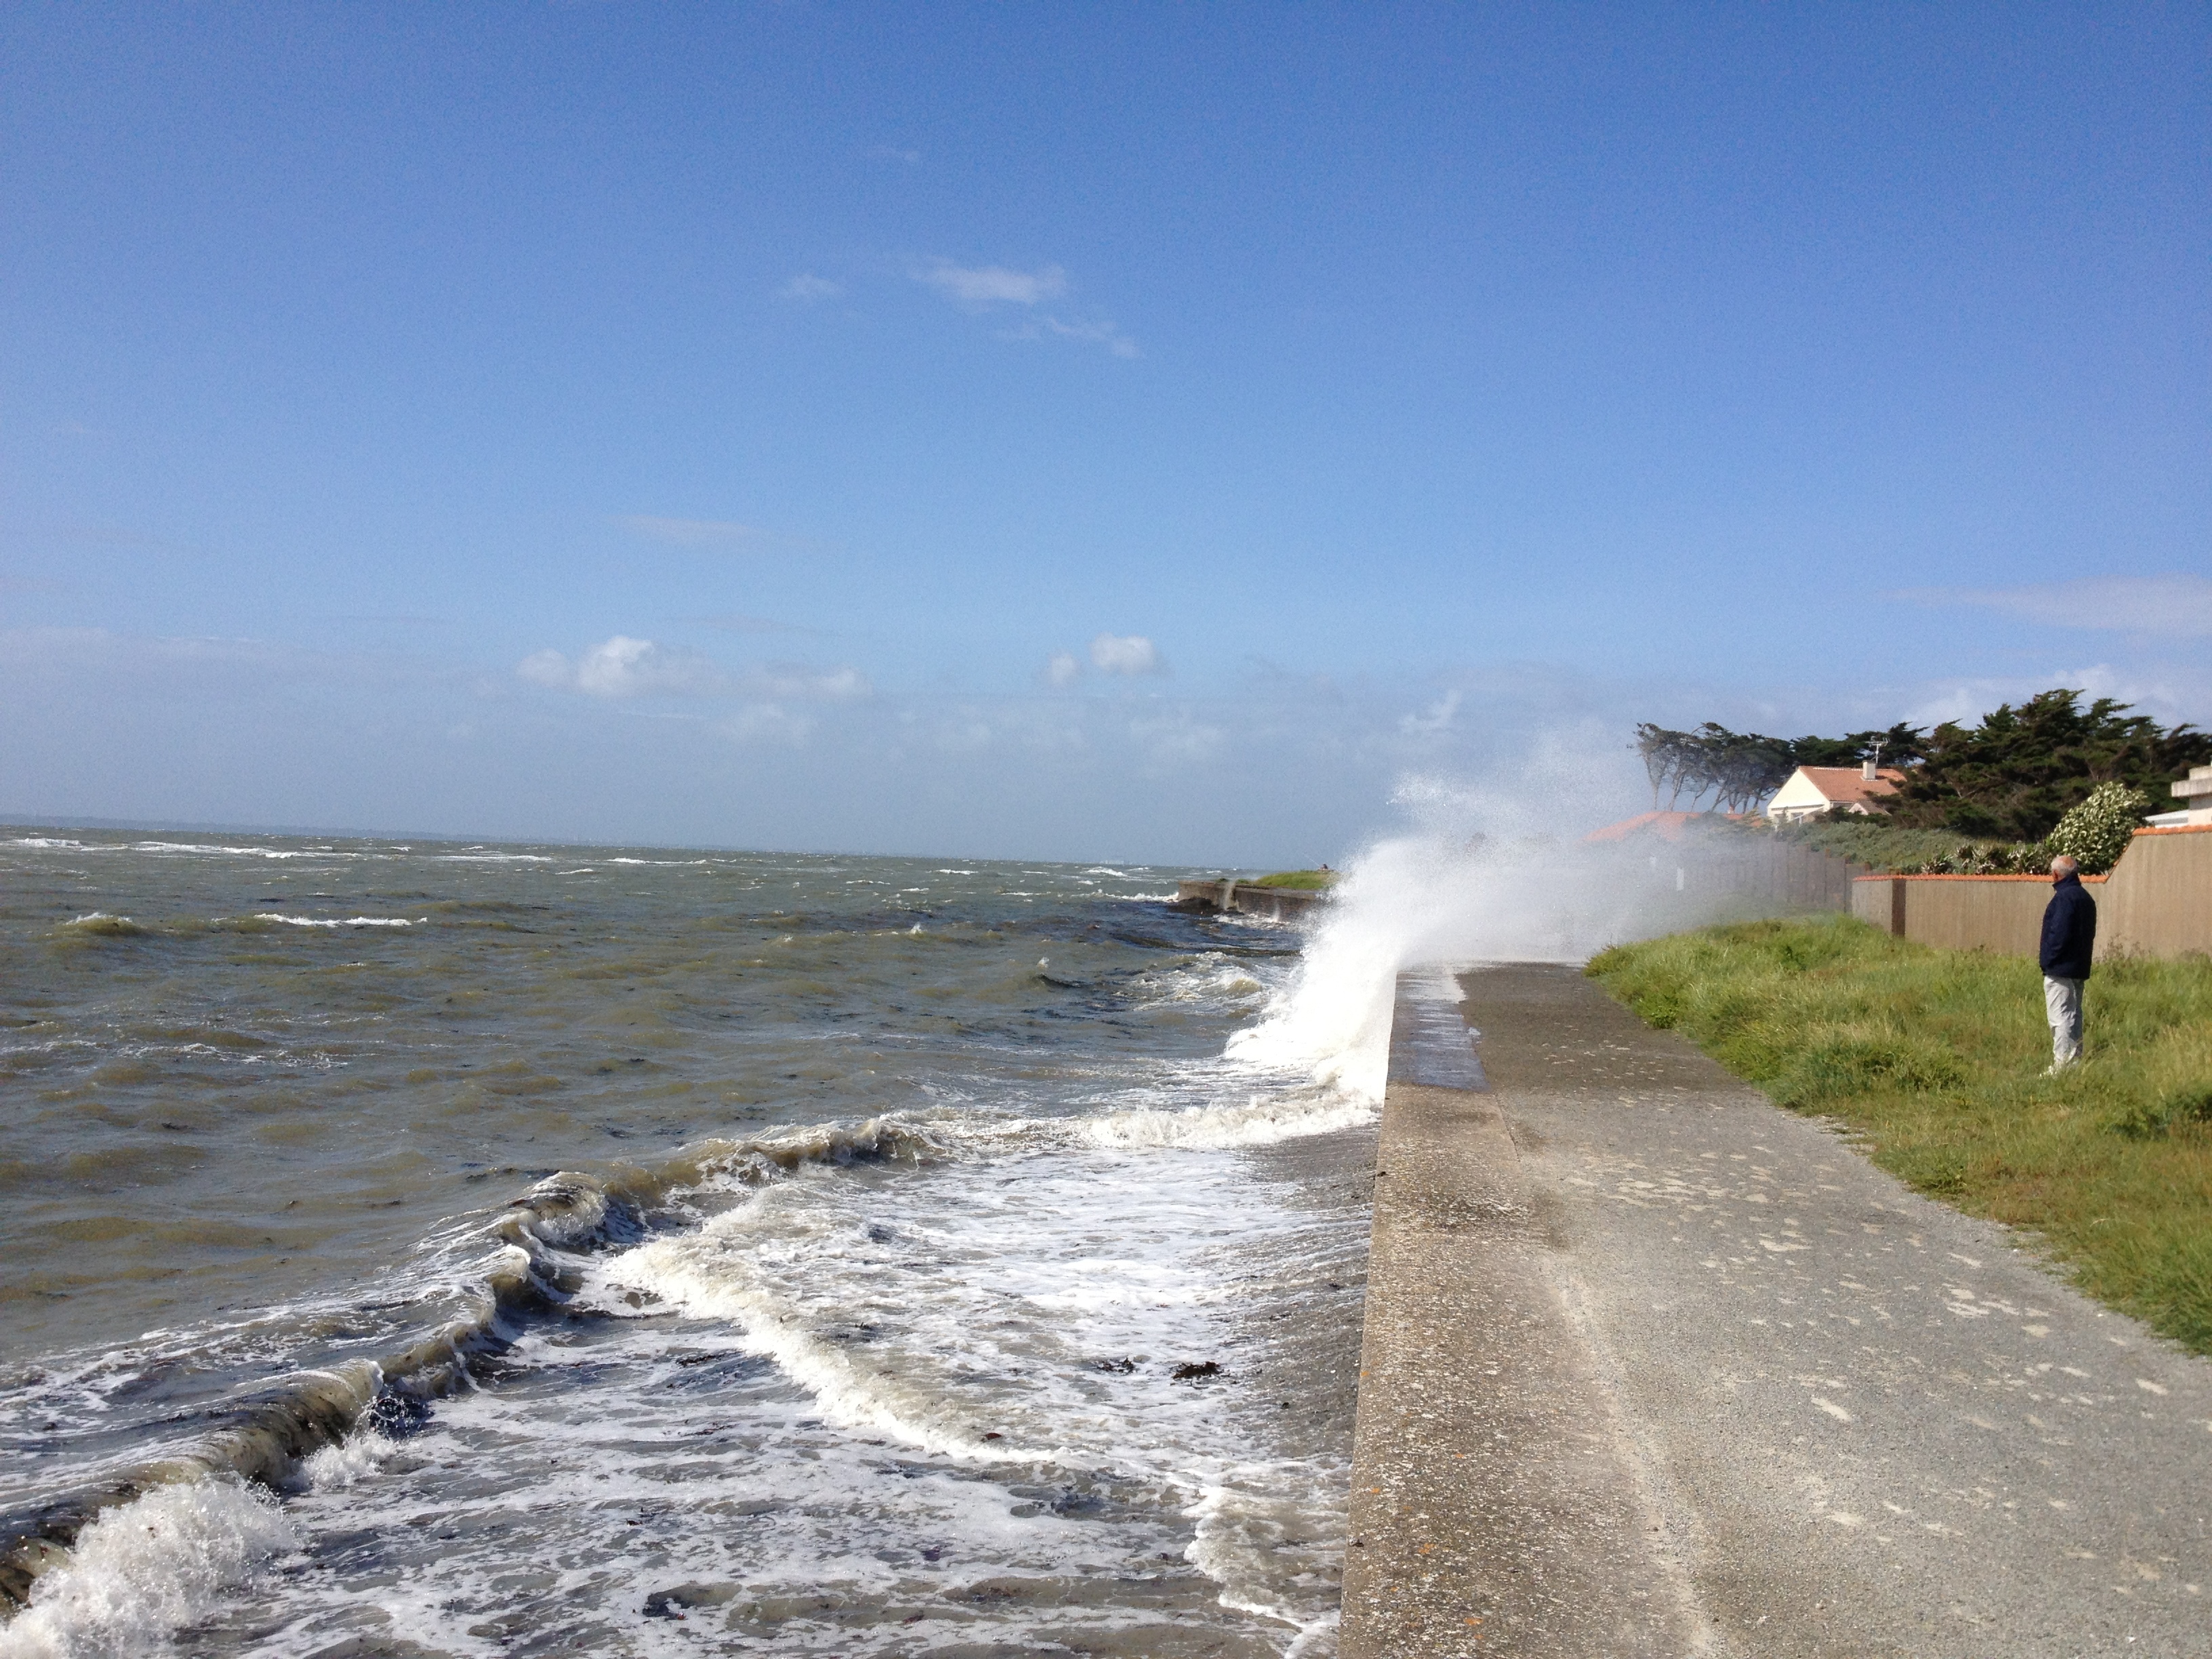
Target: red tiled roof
(1668,826)
(1846,784)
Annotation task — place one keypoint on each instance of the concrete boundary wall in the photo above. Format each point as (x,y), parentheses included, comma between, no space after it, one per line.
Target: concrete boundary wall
(2156,903)
(1785,873)
(2159,899)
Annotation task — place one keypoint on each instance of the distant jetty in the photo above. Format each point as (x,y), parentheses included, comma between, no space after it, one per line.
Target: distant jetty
(1229,895)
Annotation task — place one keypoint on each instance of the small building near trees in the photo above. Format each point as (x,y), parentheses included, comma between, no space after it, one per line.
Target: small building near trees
(1811,790)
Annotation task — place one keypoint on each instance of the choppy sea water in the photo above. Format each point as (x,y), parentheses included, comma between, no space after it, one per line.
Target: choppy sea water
(707,1253)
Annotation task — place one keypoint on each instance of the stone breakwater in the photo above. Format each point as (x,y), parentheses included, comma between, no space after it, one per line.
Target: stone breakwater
(1651,1368)
(1228,895)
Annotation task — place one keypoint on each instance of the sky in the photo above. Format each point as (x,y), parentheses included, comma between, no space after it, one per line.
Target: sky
(1139,433)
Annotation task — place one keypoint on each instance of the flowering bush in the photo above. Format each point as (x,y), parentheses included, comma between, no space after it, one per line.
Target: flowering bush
(2096,832)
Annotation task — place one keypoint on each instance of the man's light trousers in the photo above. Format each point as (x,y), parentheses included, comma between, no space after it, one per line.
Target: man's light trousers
(2061,1000)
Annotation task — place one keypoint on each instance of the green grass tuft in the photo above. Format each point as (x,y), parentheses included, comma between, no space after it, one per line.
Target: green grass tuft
(1305,880)
(1935,1059)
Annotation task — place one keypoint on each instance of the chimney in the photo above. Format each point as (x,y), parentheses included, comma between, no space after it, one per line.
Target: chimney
(1867,769)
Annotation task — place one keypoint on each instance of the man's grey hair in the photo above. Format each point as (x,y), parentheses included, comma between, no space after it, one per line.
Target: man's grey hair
(2064,864)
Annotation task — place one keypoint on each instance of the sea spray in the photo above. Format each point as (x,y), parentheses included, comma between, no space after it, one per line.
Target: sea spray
(1493,872)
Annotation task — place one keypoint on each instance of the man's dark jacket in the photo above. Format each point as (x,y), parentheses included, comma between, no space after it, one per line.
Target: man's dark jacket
(2069,929)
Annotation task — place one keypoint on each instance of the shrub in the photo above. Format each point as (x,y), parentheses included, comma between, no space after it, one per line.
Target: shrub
(2097,832)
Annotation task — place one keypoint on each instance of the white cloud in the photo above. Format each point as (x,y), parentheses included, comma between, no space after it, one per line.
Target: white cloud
(1178,739)
(1127,653)
(625,667)
(692,532)
(1099,333)
(2171,605)
(1062,669)
(992,285)
(2176,694)
(808,288)
(795,680)
(547,668)
(767,722)
(981,288)
(1437,717)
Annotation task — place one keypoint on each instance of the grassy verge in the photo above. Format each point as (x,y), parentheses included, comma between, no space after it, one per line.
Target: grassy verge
(1303,880)
(1935,1058)
(1877,843)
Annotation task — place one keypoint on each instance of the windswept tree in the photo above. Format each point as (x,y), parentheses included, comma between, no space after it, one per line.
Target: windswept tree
(1663,752)
(1737,769)
(1744,768)
(1900,745)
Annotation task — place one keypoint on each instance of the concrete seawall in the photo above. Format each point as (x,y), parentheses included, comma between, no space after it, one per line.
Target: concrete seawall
(1243,898)
(1653,1368)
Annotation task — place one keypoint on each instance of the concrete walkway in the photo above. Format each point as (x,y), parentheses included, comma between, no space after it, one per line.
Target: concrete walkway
(1651,1367)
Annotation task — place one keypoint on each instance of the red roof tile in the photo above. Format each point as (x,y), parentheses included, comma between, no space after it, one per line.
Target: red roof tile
(1846,784)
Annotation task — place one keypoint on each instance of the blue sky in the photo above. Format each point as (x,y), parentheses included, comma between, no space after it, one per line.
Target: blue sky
(1133,432)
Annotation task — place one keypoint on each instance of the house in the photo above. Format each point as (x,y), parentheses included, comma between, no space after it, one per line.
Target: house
(1812,790)
(2195,794)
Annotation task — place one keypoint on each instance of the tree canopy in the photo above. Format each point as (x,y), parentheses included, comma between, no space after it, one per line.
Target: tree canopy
(2010,778)
(2016,773)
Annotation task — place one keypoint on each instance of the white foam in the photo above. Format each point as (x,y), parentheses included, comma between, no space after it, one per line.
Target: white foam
(1262,1512)
(341,921)
(492,857)
(1260,1121)
(353,1460)
(1211,978)
(712,1273)
(203,848)
(145,1569)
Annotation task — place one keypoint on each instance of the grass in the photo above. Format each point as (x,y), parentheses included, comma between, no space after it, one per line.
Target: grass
(1934,1059)
(1305,880)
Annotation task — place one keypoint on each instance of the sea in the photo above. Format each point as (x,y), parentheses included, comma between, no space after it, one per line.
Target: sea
(421,1248)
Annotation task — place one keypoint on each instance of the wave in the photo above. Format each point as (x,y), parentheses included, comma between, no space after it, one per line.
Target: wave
(206,848)
(263,1436)
(549,1250)
(1259,1122)
(98,924)
(149,1566)
(346,921)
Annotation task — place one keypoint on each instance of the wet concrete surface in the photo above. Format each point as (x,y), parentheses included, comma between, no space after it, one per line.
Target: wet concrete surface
(1652,1367)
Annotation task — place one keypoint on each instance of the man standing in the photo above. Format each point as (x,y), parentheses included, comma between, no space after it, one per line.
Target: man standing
(2069,933)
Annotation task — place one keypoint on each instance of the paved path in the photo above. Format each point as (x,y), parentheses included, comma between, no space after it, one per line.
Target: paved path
(1653,1368)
